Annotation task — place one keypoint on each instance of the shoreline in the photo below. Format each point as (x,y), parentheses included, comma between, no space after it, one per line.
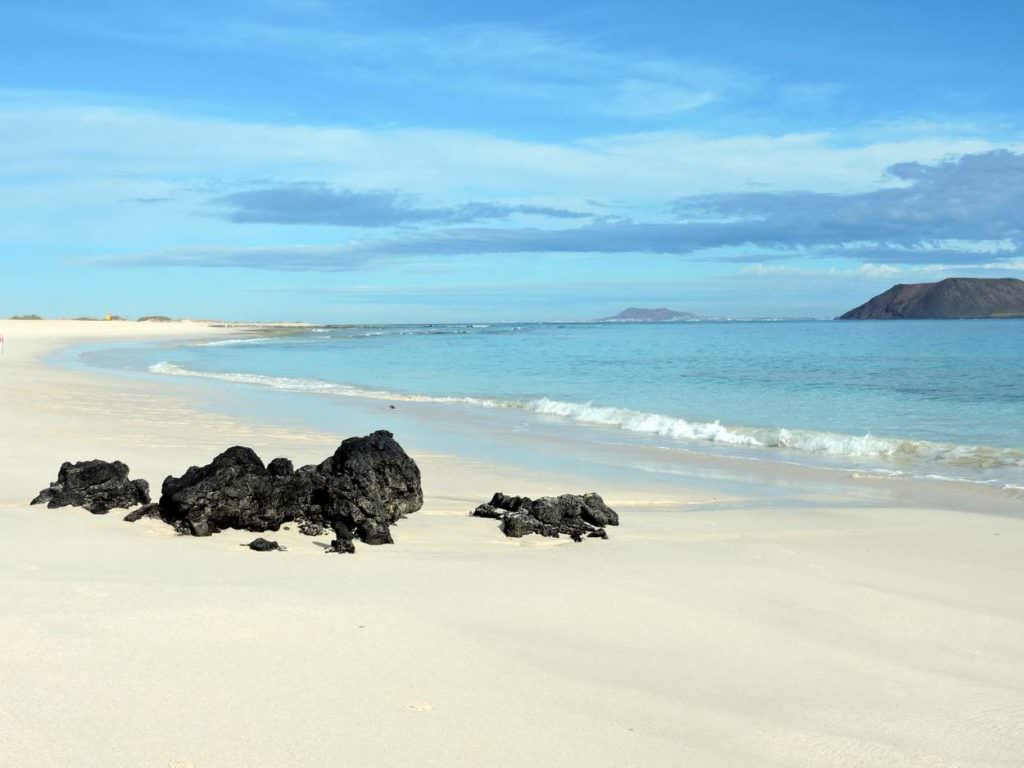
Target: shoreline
(816,624)
(600,454)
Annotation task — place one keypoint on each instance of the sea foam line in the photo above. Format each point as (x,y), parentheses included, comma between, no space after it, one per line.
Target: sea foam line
(235,342)
(800,440)
(316,386)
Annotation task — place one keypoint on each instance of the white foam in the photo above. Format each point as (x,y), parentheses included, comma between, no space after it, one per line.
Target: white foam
(638,421)
(234,342)
(802,441)
(316,386)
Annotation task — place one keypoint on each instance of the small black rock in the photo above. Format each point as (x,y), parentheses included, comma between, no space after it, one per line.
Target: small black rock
(97,485)
(311,528)
(264,545)
(489,511)
(147,510)
(341,547)
(577,516)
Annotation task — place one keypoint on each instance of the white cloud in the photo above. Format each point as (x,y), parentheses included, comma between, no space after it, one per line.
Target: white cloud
(644,98)
(60,142)
(882,271)
(491,62)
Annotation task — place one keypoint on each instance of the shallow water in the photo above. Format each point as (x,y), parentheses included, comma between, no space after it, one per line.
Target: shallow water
(925,398)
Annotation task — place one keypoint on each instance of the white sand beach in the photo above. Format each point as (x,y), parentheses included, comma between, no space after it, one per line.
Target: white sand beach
(701,634)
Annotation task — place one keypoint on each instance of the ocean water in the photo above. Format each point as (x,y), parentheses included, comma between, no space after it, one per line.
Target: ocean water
(942,399)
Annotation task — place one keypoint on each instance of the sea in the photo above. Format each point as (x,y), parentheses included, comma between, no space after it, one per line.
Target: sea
(939,400)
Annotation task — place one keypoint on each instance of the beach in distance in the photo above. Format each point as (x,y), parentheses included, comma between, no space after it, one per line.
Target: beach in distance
(818,560)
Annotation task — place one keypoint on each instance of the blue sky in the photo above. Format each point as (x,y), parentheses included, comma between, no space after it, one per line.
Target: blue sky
(349,162)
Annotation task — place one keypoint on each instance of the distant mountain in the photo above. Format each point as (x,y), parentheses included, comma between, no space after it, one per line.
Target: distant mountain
(956,297)
(641,315)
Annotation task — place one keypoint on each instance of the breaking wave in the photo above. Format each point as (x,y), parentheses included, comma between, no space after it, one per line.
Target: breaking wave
(235,342)
(318,387)
(804,441)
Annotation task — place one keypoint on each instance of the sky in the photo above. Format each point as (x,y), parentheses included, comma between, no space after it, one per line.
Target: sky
(453,162)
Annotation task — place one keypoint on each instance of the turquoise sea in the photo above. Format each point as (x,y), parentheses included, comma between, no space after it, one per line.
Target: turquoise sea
(942,399)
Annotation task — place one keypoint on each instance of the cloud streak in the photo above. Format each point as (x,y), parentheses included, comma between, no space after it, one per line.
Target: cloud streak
(294,258)
(114,144)
(494,63)
(976,197)
(314,203)
(963,211)
(498,63)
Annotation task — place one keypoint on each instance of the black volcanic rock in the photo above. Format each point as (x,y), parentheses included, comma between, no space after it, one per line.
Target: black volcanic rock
(311,528)
(594,511)
(264,545)
(367,485)
(642,315)
(490,511)
(148,510)
(955,297)
(572,514)
(234,491)
(359,492)
(342,545)
(97,485)
(281,468)
(517,524)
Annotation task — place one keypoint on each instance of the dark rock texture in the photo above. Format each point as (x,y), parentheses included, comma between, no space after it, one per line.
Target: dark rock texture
(311,528)
(99,486)
(234,491)
(149,510)
(955,297)
(572,514)
(281,468)
(366,486)
(359,492)
(264,545)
